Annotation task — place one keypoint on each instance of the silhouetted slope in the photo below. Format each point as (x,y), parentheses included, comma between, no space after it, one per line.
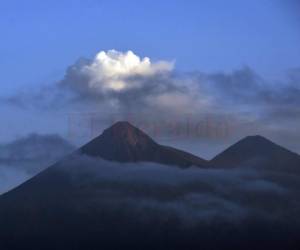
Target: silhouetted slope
(123,142)
(257,151)
(78,204)
(71,207)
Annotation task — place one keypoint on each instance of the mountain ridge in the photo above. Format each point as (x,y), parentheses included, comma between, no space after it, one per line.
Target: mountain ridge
(259,151)
(75,204)
(124,142)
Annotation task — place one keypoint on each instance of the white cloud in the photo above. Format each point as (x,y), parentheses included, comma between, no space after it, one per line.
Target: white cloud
(121,83)
(110,70)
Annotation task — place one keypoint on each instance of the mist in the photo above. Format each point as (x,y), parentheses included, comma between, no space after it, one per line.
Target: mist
(25,157)
(153,205)
(192,195)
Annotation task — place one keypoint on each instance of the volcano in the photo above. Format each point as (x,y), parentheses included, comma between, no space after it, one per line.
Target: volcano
(123,142)
(103,196)
(257,151)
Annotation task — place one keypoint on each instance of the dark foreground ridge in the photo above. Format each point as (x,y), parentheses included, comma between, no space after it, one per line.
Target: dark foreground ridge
(83,202)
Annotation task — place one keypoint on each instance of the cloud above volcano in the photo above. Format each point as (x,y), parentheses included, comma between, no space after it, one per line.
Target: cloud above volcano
(123,82)
(126,84)
(114,71)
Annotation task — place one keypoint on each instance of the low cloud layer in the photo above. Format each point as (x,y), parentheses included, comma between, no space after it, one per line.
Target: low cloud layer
(157,206)
(231,206)
(25,157)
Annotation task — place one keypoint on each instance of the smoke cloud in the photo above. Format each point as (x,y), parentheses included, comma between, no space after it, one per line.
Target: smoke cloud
(109,71)
(112,72)
(123,84)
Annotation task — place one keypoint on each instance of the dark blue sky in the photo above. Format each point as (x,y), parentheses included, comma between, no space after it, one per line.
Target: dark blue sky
(39,39)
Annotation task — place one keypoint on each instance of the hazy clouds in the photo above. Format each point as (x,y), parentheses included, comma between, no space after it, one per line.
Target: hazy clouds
(25,157)
(252,104)
(191,195)
(122,83)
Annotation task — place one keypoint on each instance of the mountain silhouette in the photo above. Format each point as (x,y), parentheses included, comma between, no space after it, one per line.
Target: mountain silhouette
(123,142)
(257,151)
(84,202)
